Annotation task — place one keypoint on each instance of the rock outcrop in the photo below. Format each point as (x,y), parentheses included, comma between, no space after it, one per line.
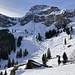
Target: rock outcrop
(49,10)
(58,20)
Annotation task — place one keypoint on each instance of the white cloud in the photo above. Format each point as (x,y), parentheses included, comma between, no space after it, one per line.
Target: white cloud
(9,13)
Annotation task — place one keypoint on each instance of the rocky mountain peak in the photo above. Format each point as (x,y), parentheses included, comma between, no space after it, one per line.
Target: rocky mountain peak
(38,7)
(33,11)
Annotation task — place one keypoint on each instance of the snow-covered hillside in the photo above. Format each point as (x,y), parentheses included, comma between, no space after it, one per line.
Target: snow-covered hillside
(63,70)
(37,48)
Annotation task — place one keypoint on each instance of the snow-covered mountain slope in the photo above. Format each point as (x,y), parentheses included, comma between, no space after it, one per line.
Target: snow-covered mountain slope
(36,48)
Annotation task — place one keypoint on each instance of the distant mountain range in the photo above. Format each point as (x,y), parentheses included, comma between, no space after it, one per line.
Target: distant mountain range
(41,13)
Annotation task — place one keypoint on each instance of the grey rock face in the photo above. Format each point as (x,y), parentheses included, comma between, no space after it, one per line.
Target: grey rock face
(33,14)
(57,20)
(49,10)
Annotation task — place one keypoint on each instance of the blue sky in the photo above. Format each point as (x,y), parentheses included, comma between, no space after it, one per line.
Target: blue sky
(18,8)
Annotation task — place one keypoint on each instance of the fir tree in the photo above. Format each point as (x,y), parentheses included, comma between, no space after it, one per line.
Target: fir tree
(13,62)
(48,53)
(65,58)
(50,34)
(65,41)
(71,28)
(6,43)
(17,55)
(20,53)
(9,63)
(59,60)
(19,41)
(44,59)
